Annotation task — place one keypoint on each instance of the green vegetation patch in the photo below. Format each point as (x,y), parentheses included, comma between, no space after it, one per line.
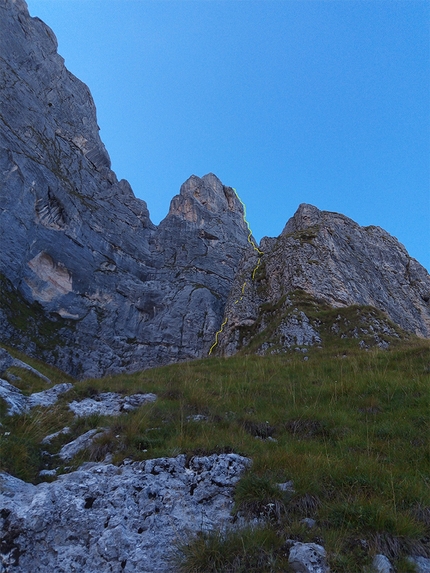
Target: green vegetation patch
(341,328)
(43,332)
(349,429)
(257,550)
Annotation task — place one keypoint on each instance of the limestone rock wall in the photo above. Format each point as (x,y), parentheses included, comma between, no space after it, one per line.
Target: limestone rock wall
(334,261)
(87,281)
(90,284)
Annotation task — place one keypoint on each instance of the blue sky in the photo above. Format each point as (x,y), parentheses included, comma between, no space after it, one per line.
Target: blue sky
(321,102)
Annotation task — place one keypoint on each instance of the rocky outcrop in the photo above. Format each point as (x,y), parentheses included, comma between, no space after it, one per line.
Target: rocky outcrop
(87,281)
(325,259)
(17,403)
(110,404)
(89,284)
(7,361)
(308,558)
(104,404)
(116,519)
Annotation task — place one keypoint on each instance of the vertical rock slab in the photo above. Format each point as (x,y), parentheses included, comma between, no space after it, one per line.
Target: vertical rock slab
(87,281)
(203,239)
(334,261)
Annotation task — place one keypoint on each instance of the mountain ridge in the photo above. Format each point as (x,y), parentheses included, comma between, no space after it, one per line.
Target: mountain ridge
(90,284)
(331,259)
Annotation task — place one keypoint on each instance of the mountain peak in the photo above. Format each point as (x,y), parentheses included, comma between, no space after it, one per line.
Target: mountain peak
(89,284)
(306,216)
(333,261)
(99,285)
(204,194)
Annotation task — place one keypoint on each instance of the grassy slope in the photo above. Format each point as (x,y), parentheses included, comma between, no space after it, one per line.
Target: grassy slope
(347,426)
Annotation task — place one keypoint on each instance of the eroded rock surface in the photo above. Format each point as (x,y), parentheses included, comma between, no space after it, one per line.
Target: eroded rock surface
(117,519)
(308,558)
(19,404)
(100,287)
(327,258)
(110,404)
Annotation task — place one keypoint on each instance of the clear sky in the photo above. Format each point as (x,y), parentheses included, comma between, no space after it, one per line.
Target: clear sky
(288,101)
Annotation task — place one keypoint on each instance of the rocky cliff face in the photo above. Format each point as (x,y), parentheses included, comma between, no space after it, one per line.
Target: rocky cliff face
(88,282)
(323,261)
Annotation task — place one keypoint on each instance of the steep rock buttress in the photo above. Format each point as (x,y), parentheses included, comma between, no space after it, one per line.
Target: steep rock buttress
(87,281)
(324,259)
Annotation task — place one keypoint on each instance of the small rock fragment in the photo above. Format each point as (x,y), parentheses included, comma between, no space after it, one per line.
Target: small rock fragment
(48,439)
(70,450)
(286,486)
(48,473)
(197,418)
(308,558)
(381,564)
(309,522)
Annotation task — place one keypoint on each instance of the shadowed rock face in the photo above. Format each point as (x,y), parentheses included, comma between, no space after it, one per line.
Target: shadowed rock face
(99,287)
(342,263)
(88,283)
(334,261)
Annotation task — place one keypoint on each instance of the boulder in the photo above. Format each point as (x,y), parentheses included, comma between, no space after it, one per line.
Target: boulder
(381,564)
(110,404)
(308,558)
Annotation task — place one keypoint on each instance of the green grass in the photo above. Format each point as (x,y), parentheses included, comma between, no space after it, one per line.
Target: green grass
(42,330)
(250,550)
(343,328)
(348,427)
